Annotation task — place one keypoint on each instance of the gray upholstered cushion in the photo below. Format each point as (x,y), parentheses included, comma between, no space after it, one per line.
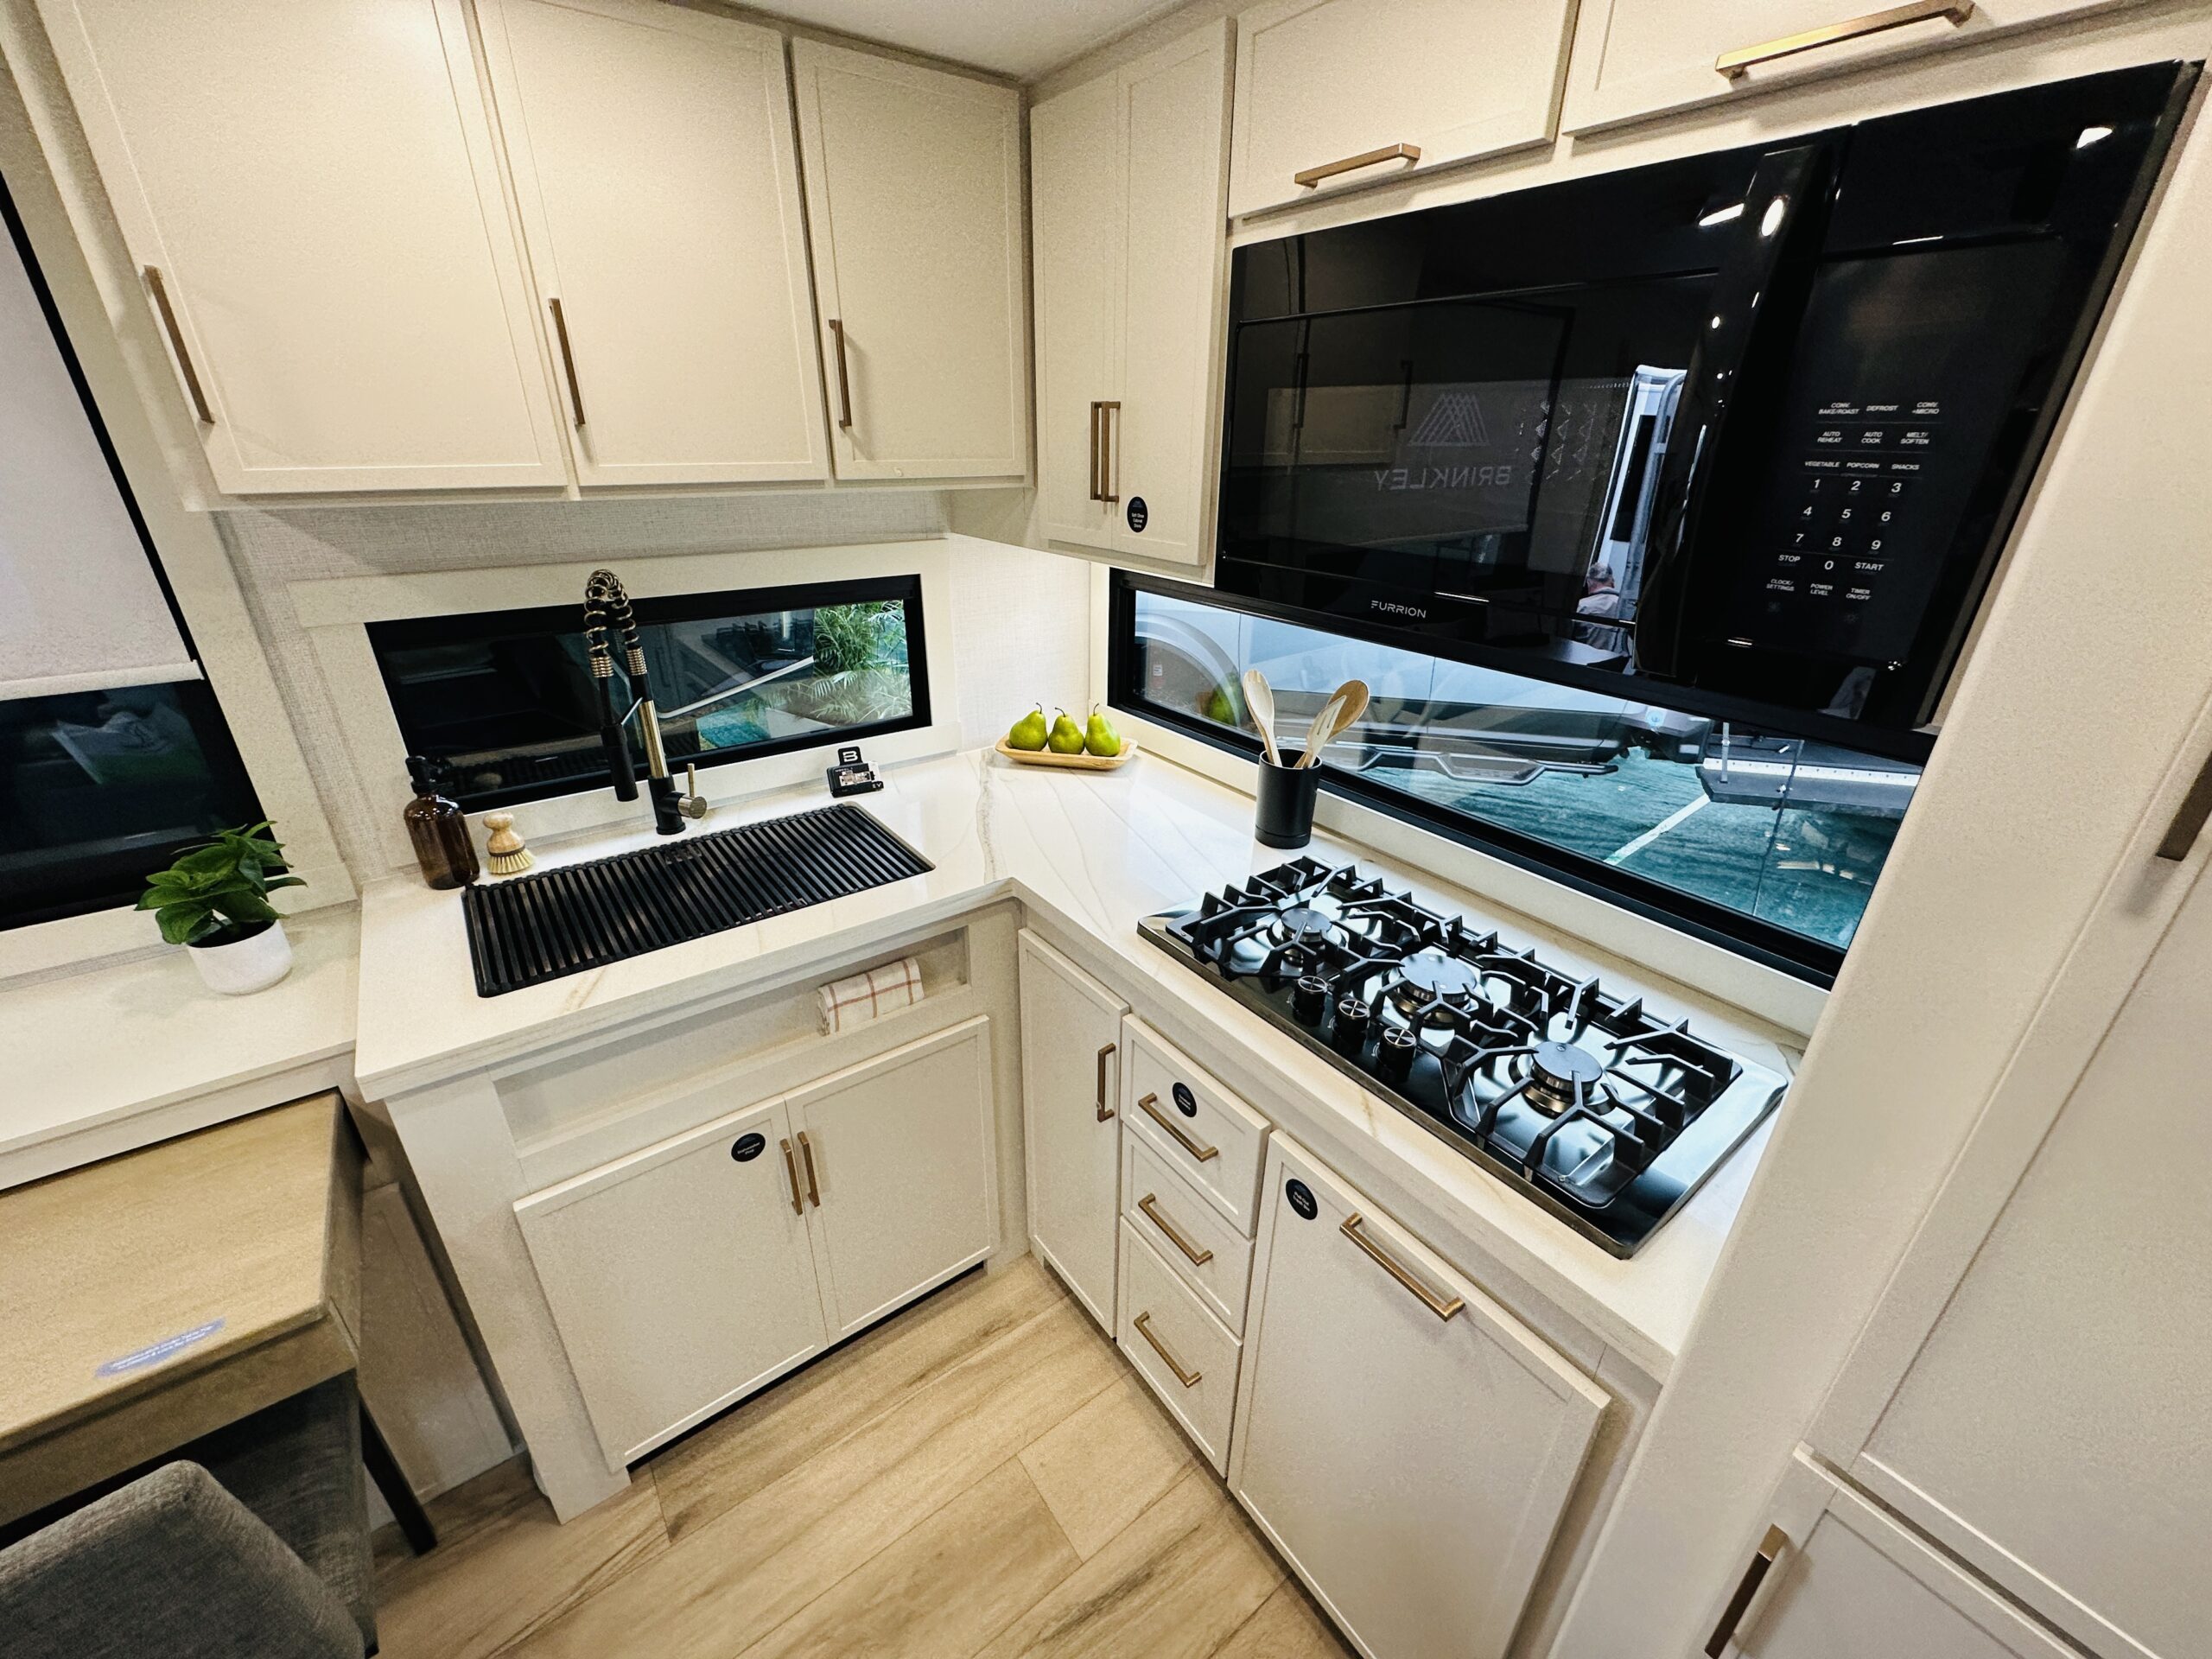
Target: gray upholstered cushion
(297,1465)
(171,1565)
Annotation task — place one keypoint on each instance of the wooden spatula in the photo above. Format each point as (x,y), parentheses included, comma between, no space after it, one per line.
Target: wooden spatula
(1260,703)
(1345,704)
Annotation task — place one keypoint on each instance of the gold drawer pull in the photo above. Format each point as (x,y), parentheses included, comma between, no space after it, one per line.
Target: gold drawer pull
(1735,64)
(1105,1112)
(1409,153)
(1149,1204)
(790,1168)
(1772,1545)
(1188,1379)
(806,1151)
(1148,1106)
(1429,1300)
(161,292)
(568,359)
(844,376)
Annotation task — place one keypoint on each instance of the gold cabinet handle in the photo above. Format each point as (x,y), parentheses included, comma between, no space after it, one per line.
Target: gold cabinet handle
(1443,1310)
(790,1168)
(1409,153)
(1772,1545)
(1150,1204)
(1109,459)
(1149,1106)
(567,360)
(1097,420)
(806,1151)
(2189,821)
(844,377)
(160,290)
(1736,64)
(1188,1379)
(1105,1112)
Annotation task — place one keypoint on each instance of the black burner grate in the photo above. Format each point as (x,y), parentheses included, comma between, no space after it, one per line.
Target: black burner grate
(564,921)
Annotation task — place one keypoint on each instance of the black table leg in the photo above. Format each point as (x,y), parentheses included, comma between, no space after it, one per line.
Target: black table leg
(383,1469)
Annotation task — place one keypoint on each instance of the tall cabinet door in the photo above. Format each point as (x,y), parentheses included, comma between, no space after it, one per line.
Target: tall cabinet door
(311,195)
(680,1277)
(1174,142)
(655,166)
(1405,1442)
(1070,1078)
(1074,226)
(899,1160)
(913,195)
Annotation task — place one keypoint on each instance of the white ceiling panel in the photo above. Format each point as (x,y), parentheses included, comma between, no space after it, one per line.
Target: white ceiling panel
(1020,38)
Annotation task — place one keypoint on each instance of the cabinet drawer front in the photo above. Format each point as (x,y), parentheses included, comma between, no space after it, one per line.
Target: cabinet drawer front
(1195,1239)
(1198,1128)
(1182,1350)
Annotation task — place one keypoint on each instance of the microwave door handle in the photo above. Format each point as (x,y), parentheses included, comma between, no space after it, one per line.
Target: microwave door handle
(1760,291)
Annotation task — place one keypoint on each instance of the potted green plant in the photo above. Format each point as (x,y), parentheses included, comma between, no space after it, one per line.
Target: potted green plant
(215,900)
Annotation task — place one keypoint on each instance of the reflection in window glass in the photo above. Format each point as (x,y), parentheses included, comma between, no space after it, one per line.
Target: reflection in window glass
(504,702)
(1791,833)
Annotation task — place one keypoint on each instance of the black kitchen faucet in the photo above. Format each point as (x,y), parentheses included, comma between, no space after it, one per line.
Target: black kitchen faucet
(607,606)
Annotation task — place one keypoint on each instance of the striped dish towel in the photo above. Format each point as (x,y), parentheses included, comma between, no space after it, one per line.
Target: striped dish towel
(855,1002)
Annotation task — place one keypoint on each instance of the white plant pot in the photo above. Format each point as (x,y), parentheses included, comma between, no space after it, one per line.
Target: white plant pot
(244,965)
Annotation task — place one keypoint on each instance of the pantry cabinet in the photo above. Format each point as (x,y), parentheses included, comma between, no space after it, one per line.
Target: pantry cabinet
(1407,1443)
(913,195)
(1634,58)
(680,1277)
(1128,215)
(1333,93)
(310,199)
(1070,1079)
(655,170)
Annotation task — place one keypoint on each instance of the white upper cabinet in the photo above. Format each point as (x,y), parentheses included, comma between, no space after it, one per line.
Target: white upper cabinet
(1129,217)
(1332,93)
(311,196)
(1637,57)
(653,163)
(914,193)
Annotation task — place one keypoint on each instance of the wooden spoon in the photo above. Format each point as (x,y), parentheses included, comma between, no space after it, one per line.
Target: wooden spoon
(1260,703)
(1345,705)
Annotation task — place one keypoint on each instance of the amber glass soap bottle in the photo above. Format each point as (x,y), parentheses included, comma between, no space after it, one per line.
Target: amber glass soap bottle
(439,831)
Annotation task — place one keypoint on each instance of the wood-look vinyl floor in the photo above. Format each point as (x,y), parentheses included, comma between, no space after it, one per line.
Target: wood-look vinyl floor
(981,1476)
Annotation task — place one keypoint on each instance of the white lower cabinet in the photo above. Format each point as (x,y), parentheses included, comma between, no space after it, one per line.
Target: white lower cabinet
(897,1156)
(680,1277)
(686,1276)
(1407,1443)
(1070,1078)
(1837,1578)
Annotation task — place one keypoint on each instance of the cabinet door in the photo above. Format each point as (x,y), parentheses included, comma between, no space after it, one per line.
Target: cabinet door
(897,1157)
(913,196)
(1173,141)
(316,187)
(654,164)
(1075,227)
(1851,1582)
(1635,58)
(1321,82)
(1070,1078)
(1412,1467)
(679,1277)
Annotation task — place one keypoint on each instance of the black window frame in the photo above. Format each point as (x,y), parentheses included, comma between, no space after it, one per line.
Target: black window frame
(467,627)
(1762,941)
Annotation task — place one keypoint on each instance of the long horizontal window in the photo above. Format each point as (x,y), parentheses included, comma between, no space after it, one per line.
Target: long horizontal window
(1767,842)
(503,704)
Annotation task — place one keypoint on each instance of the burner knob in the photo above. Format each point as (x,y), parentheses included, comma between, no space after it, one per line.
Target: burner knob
(1394,1055)
(1309,1000)
(1351,1027)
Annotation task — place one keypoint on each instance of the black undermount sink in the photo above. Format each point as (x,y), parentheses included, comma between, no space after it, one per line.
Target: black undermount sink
(563,921)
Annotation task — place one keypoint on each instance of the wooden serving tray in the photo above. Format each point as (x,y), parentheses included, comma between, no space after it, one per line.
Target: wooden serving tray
(1071,762)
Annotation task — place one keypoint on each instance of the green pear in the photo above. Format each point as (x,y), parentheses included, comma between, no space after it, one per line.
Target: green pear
(1221,706)
(1066,737)
(1099,736)
(1028,732)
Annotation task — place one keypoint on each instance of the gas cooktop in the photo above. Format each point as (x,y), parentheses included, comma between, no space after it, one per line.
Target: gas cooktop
(1606,1115)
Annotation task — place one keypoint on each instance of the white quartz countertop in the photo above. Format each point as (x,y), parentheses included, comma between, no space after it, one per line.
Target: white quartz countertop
(100,1061)
(1089,853)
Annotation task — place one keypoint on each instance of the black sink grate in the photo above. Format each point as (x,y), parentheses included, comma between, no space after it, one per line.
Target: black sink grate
(566,921)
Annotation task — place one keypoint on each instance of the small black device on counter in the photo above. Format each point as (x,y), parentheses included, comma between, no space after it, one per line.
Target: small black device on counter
(852,775)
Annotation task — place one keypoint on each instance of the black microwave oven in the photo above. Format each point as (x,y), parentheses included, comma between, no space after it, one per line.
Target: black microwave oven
(1751,426)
